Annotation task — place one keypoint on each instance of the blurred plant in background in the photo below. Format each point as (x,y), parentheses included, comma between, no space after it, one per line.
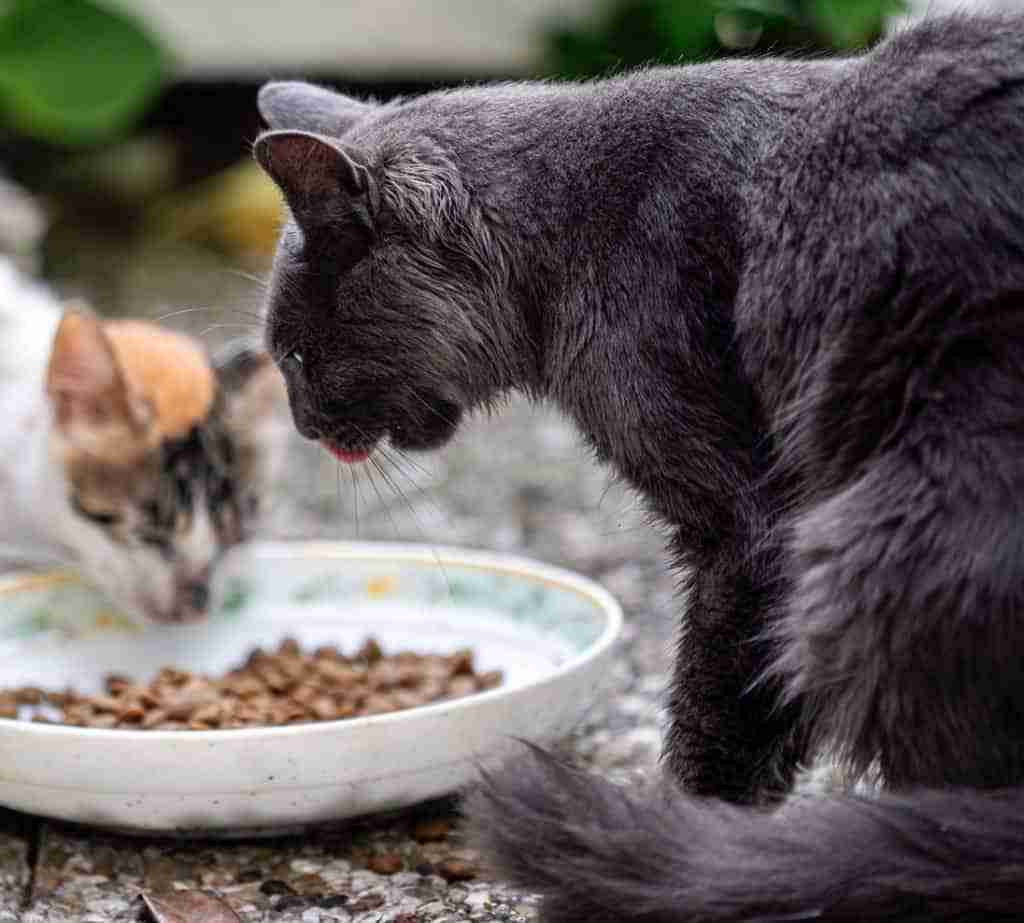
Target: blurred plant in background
(125,174)
(629,33)
(73,72)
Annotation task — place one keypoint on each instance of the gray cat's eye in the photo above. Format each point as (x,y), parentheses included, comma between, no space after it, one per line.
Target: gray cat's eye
(295,356)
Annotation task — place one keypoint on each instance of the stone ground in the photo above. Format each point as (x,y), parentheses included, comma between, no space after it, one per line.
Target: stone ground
(518,481)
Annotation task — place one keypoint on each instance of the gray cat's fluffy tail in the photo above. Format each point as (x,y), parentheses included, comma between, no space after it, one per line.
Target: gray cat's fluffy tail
(599,854)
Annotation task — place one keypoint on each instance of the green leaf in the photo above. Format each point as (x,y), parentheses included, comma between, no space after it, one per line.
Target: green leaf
(853,23)
(73,72)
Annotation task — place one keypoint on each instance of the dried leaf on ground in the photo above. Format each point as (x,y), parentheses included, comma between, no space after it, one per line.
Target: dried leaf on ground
(189,907)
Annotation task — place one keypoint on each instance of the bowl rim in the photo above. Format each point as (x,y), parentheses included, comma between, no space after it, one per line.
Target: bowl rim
(421,553)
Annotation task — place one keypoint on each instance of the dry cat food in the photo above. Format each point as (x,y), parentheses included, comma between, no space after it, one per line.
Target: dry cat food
(286,686)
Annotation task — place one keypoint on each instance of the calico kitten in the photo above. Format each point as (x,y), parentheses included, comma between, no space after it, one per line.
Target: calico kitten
(125,453)
(785,300)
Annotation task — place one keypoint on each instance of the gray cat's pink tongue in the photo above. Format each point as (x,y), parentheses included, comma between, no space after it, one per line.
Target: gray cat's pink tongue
(349,458)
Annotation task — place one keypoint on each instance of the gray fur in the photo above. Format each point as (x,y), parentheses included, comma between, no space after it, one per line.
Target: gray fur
(785,301)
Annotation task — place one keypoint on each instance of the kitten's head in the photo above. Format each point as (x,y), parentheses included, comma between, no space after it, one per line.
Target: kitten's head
(386,279)
(165,459)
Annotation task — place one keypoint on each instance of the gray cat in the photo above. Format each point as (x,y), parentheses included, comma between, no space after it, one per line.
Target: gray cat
(786,302)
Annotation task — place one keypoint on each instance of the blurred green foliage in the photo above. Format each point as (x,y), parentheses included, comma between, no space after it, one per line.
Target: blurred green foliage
(73,72)
(629,33)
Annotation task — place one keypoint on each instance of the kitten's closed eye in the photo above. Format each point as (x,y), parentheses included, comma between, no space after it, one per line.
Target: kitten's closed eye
(100,517)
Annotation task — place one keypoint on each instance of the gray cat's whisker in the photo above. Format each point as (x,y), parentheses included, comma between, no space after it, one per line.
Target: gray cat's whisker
(211,309)
(261,281)
(355,497)
(408,459)
(210,328)
(420,489)
(390,482)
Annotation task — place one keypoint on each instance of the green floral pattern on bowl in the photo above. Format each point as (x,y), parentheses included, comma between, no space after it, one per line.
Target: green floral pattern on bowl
(32,605)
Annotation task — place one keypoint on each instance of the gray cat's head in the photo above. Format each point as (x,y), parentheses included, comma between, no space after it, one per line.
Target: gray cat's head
(387,276)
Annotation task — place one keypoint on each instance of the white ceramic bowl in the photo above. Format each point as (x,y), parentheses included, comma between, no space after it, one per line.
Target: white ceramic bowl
(550,631)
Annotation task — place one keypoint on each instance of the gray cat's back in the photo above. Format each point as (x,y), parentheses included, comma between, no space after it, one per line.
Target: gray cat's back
(891,200)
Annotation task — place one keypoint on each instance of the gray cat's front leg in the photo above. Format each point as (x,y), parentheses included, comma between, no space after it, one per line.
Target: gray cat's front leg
(729,737)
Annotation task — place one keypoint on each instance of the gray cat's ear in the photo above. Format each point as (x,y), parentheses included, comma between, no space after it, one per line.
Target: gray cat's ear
(321,179)
(304,107)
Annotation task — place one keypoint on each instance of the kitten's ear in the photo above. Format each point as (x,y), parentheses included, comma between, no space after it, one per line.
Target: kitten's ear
(322,181)
(304,107)
(253,387)
(83,379)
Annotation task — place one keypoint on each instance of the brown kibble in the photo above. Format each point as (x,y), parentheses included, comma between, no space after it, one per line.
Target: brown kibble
(457,870)
(28,695)
(292,667)
(383,675)
(459,686)
(150,699)
(275,680)
(489,680)
(287,686)
(429,831)
(370,651)
(385,863)
(244,686)
(132,714)
(461,662)
(338,674)
(304,694)
(80,712)
(57,699)
(378,704)
(116,684)
(208,714)
(403,698)
(106,703)
(154,718)
(172,677)
(324,708)
(432,690)
(347,710)
(104,721)
(188,698)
